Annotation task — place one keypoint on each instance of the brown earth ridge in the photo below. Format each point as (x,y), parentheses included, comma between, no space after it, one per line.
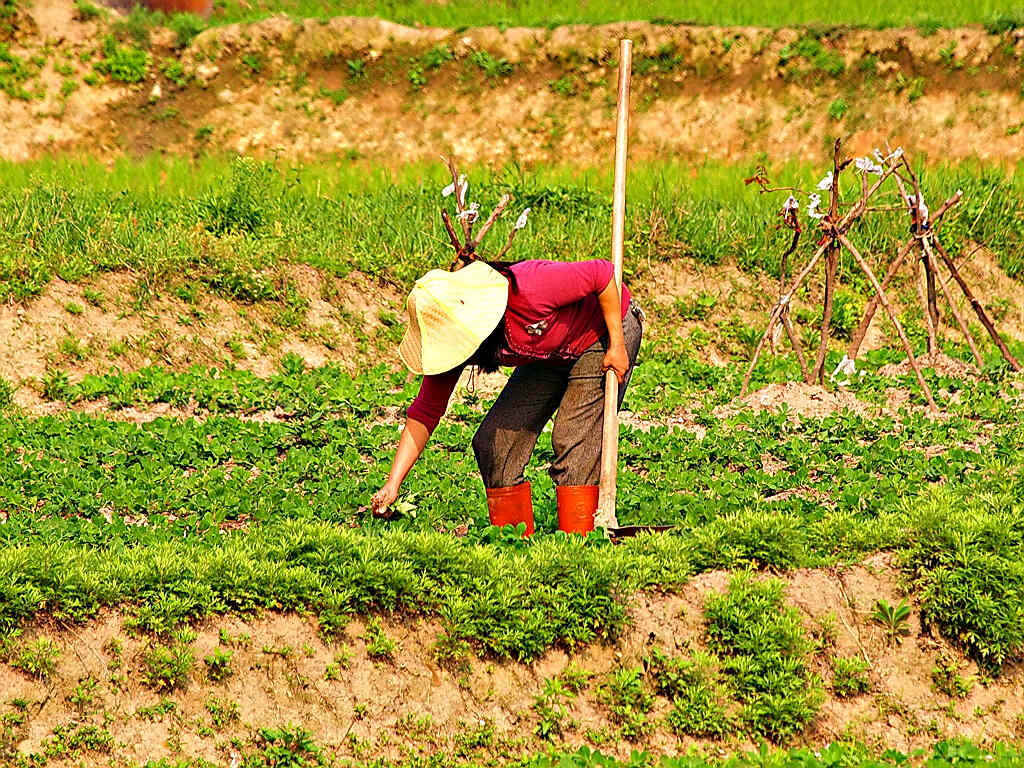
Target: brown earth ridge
(368,88)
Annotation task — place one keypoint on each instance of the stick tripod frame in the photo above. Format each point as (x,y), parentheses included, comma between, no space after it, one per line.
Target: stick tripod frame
(835,239)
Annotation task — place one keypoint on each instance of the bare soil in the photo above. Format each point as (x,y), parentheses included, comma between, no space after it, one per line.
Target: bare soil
(409,705)
(953,94)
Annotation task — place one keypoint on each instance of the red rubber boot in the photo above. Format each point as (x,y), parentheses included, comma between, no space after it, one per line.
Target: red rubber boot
(576,507)
(510,506)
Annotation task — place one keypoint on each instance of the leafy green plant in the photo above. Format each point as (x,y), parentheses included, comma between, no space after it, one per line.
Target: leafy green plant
(625,695)
(87,11)
(218,665)
(167,668)
(492,67)
(223,712)
(894,619)
(123,63)
(946,678)
(838,108)
(289,746)
(37,659)
(378,644)
(764,650)
(849,676)
(7,391)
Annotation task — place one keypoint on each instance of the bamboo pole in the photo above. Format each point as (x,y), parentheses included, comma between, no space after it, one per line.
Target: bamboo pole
(605,516)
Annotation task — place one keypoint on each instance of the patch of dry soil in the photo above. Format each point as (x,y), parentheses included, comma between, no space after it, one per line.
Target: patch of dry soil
(63,329)
(731,84)
(409,704)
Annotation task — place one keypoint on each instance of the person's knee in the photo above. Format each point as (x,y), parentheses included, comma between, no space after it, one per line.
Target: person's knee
(483,445)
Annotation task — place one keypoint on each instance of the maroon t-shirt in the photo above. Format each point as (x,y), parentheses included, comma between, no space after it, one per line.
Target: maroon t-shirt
(553,315)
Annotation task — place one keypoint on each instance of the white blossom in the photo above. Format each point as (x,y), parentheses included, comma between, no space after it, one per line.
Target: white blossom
(447,191)
(812,207)
(791,204)
(867,165)
(472,213)
(521,221)
(826,183)
(463,189)
(922,208)
(879,156)
(896,154)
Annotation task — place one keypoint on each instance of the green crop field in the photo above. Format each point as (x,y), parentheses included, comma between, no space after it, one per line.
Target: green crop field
(178,520)
(531,13)
(200,394)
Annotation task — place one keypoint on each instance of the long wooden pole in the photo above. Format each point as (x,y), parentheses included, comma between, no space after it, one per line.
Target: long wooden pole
(606,517)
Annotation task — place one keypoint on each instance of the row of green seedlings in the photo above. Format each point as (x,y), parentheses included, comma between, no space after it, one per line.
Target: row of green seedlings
(753,678)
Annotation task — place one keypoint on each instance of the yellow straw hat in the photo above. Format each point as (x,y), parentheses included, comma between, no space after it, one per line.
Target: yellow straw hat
(450,315)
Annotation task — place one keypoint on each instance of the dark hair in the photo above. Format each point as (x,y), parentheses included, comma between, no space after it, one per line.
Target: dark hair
(488,354)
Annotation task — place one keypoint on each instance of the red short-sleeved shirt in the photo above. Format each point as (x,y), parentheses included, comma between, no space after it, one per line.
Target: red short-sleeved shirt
(553,315)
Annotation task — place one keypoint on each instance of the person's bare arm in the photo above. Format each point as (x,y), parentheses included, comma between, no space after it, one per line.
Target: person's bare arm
(616,358)
(410,445)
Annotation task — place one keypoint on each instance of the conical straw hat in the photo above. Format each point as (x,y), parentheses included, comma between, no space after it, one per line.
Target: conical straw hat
(450,315)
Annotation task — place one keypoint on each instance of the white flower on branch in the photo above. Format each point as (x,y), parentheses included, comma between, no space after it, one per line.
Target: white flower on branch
(472,213)
(896,154)
(791,204)
(879,156)
(826,183)
(461,184)
(812,207)
(922,208)
(521,221)
(867,165)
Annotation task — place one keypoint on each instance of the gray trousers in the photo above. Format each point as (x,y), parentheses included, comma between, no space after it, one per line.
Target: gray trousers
(507,436)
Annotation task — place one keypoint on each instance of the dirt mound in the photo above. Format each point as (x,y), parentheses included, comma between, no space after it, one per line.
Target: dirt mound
(942,364)
(375,89)
(92,326)
(367,708)
(802,400)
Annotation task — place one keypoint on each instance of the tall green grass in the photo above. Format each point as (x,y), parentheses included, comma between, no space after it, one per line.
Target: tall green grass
(537,13)
(229,223)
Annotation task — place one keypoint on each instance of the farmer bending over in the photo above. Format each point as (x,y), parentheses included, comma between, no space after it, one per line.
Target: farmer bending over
(561,325)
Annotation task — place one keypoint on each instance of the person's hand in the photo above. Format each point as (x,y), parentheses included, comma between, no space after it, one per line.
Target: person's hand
(383,499)
(616,359)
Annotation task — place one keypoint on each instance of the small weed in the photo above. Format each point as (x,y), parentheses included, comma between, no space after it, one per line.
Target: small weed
(628,701)
(74,309)
(492,67)
(564,86)
(166,668)
(223,712)
(6,394)
(123,63)
(356,68)
(946,678)
(253,63)
(174,70)
(84,694)
(157,711)
(218,665)
(838,108)
(894,619)
(86,11)
(849,677)
(378,644)
(37,659)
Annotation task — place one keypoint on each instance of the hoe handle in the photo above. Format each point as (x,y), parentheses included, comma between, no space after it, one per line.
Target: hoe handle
(605,516)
